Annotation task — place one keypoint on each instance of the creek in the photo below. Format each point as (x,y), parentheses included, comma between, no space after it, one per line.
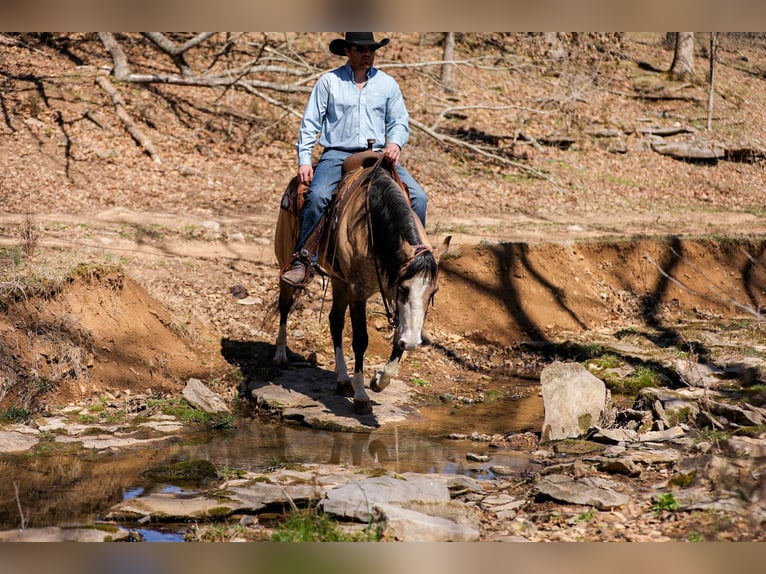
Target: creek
(79,487)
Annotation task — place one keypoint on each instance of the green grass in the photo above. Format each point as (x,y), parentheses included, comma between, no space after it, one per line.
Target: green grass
(15,415)
(695,537)
(186,413)
(310,525)
(215,532)
(420,382)
(586,516)
(664,502)
(605,361)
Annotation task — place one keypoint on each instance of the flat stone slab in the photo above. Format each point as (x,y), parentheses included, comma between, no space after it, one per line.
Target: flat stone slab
(56,534)
(170,506)
(11,441)
(307,395)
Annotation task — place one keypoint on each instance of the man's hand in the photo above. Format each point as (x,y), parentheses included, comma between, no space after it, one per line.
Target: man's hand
(391,152)
(305,174)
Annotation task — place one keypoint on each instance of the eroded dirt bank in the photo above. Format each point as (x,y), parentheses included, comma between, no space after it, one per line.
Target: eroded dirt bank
(167,316)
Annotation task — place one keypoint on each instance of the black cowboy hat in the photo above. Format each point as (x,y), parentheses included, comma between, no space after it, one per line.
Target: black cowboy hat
(359,38)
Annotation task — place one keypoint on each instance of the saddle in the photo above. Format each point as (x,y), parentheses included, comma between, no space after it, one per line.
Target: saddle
(358,164)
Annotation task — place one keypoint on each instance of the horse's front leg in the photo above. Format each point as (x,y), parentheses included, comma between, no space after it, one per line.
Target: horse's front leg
(360,340)
(340,298)
(383,378)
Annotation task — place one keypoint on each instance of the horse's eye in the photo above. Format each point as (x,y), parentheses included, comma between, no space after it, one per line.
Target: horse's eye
(403,292)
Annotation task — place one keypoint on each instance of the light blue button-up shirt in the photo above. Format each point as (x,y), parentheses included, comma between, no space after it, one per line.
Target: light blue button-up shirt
(343,116)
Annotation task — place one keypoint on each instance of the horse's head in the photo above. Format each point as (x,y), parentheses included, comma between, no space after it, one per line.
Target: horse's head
(415,290)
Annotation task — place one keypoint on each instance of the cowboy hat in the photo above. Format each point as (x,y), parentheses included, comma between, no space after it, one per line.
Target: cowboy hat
(359,38)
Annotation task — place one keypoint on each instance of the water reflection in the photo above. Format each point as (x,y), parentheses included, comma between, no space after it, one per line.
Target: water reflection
(419,445)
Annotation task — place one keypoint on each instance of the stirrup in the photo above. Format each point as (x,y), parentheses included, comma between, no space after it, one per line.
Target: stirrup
(294,281)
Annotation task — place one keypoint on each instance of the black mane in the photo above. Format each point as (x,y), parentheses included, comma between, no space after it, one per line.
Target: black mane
(393,222)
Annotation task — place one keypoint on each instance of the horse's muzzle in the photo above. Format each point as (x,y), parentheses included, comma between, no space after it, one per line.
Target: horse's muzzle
(409,344)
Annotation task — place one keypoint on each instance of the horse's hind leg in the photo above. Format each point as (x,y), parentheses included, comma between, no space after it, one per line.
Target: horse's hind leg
(337,320)
(286,293)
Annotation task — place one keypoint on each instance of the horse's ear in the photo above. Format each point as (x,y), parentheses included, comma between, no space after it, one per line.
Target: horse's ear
(443,247)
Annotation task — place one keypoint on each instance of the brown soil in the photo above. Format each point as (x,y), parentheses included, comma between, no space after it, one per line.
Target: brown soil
(604,243)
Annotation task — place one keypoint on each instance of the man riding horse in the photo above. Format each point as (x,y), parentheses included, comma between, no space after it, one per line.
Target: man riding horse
(348,106)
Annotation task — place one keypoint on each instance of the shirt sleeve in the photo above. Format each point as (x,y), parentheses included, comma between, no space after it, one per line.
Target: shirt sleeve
(313,118)
(397,118)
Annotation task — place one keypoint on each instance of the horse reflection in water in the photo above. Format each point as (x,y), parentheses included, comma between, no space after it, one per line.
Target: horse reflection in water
(370,241)
(359,442)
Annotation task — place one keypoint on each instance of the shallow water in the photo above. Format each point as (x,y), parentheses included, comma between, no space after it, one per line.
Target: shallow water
(61,489)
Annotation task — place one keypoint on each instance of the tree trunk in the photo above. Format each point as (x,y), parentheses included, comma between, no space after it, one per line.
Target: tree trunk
(447,57)
(682,68)
(711,89)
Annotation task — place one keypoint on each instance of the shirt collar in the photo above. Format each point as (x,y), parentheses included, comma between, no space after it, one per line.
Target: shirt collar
(350,73)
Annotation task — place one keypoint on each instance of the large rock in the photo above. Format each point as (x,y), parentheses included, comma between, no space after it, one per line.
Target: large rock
(574,401)
(101,533)
(409,525)
(590,491)
(201,397)
(11,441)
(358,500)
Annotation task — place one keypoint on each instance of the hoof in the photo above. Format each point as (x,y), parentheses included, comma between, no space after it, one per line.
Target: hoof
(375,385)
(362,407)
(344,389)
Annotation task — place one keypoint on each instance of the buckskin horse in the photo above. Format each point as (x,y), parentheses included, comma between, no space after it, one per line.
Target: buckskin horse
(369,241)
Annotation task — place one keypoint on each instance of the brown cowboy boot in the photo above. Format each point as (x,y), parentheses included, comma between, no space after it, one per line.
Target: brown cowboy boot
(297,275)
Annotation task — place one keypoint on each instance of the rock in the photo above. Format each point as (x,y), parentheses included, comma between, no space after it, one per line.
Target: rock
(613,436)
(745,447)
(407,525)
(11,441)
(201,397)
(358,499)
(698,374)
(623,465)
(170,507)
(504,506)
(647,455)
(574,401)
(99,533)
(476,457)
(663,435)
(690,150)
(261,495)
(590,491)
(104,442)
(736,414)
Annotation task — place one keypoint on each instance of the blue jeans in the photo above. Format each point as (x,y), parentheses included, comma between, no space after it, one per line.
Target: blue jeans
(327,175)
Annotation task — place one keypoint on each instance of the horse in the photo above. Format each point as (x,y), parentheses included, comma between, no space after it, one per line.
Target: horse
(370,241)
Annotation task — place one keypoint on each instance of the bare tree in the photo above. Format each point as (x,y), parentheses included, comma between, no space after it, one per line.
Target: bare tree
(447,55)
(711,88)
(682,67)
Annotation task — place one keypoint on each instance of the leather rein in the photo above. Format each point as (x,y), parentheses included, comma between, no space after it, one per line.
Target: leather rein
(392,316)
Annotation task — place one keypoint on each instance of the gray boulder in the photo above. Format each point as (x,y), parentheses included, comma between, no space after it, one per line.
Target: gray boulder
(574,401)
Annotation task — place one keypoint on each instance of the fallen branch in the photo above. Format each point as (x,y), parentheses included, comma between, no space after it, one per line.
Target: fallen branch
(273,102)
(454,109)
(121,68)
(176,53)
(454,141)
(130,125)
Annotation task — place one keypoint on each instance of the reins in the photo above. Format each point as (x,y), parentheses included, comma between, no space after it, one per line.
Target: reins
(393,317)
